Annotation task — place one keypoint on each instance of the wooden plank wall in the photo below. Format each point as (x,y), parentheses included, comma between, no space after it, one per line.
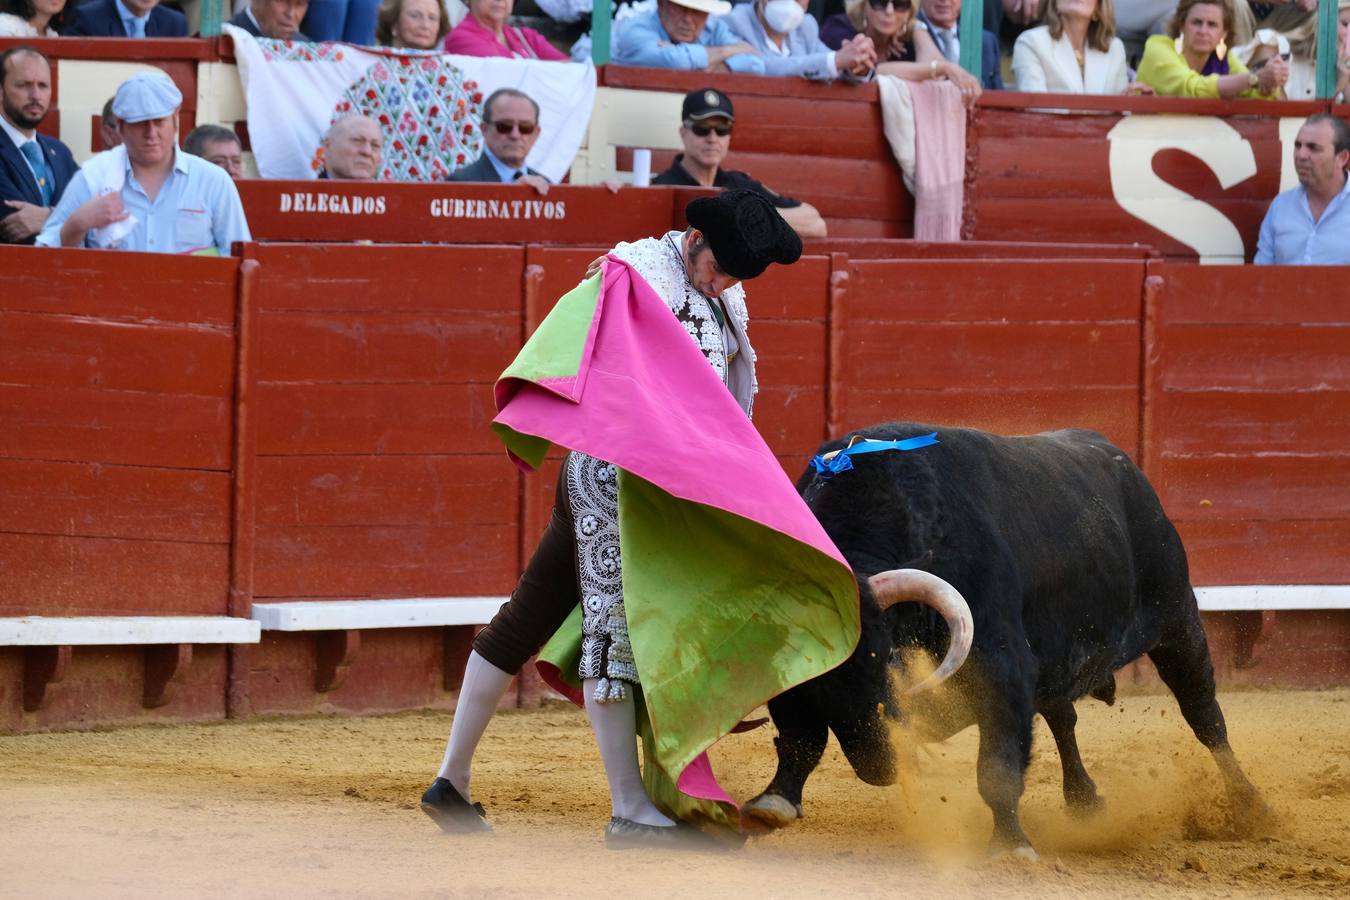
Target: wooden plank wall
(1247,411)
(995,344)
(115,458)
(377,475)
(1023,183)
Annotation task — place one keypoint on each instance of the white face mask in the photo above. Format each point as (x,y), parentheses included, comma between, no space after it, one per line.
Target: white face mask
(783,16)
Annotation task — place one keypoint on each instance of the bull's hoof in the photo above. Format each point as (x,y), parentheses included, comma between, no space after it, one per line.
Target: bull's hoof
(1084,804)
(1019,852)
(768,812)
(1252,816)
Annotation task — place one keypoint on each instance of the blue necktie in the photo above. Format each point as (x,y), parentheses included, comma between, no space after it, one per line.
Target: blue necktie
(135,28)
(33,152)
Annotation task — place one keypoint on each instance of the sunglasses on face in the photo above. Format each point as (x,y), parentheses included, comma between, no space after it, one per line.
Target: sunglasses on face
(703,130)
(1260,64)
(507,127)
(898,5)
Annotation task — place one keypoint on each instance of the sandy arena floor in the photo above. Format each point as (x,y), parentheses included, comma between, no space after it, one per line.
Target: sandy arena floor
(326,808)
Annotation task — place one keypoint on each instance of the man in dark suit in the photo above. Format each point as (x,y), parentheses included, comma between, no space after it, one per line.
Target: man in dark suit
(278,19)
(942,19)
(510,128)
(126,18)
(34,169)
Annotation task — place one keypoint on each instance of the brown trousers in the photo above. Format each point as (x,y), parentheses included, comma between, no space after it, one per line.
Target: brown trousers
(544,596)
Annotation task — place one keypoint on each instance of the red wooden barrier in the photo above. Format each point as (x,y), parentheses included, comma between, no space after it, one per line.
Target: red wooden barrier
(1247,410)
(1048,176)
(994,344)
(356,433)
(115,458)
(115,454)
(456,212)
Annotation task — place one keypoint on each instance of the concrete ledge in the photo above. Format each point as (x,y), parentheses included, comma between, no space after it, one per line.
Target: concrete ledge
(1258,597)
(47,631)
(343,615)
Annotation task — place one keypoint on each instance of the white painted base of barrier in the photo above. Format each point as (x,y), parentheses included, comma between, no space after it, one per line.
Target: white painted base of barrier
(51,631)
(342,615)
(1257,597)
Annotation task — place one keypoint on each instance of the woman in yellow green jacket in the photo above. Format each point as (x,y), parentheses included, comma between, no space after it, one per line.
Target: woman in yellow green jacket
(1194,60)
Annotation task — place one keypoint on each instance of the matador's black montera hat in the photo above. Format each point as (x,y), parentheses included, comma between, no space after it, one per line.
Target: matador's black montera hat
(745,232)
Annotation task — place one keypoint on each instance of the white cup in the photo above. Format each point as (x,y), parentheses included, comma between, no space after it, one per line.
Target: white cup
(642,168)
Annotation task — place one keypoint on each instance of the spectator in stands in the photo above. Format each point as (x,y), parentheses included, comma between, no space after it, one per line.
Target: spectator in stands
(340,20)
(510,128)
(147,194)
(277,19)
(1192,60)
(1076,51)
(32,18)
(352,149)
(1310,224)
(34,169)
(903,46)
(217,145)
(126,18)
(705,131)
(413,24)
(108,134)
(486,31)
(941,17)
(679,35)
(789,41)
(1265,45)
(1284,16)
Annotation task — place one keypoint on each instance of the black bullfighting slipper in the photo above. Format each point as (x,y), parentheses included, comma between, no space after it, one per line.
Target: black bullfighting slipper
(448,809)
(625,834)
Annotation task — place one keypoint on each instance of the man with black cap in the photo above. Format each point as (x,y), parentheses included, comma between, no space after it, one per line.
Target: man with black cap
(147,194)
(731,238)
(705,129)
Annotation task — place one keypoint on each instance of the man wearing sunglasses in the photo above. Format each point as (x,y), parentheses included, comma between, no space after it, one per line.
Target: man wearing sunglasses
(510,128)
(706,117)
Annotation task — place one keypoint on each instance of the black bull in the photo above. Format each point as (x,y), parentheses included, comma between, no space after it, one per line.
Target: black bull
(1071,570)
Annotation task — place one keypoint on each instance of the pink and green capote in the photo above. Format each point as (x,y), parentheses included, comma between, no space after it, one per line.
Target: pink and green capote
(733,591)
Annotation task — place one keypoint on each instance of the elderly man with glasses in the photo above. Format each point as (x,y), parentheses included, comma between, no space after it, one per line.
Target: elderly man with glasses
(510,128)
(705,129)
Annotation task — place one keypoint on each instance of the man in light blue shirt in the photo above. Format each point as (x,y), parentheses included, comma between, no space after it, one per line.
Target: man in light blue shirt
(1310,225)
(789,41)
(147,194)
(678,35)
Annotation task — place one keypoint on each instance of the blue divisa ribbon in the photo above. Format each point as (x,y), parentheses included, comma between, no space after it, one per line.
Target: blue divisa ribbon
(841,460)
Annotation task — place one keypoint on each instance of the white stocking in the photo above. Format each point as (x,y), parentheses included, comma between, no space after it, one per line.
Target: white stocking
(483,688)
(615,727)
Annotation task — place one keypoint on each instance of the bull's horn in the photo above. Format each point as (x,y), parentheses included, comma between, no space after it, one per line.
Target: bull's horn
(917,586)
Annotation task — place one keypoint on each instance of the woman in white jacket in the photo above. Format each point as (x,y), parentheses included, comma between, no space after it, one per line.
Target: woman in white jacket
(1076,51)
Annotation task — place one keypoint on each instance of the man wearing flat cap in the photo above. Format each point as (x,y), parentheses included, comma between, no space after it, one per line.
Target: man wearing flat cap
(706,123)
(147,194)
(678,35)
(731,238)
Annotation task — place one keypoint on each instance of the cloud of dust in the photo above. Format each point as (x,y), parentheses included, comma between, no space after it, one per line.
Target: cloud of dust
(1158,783)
